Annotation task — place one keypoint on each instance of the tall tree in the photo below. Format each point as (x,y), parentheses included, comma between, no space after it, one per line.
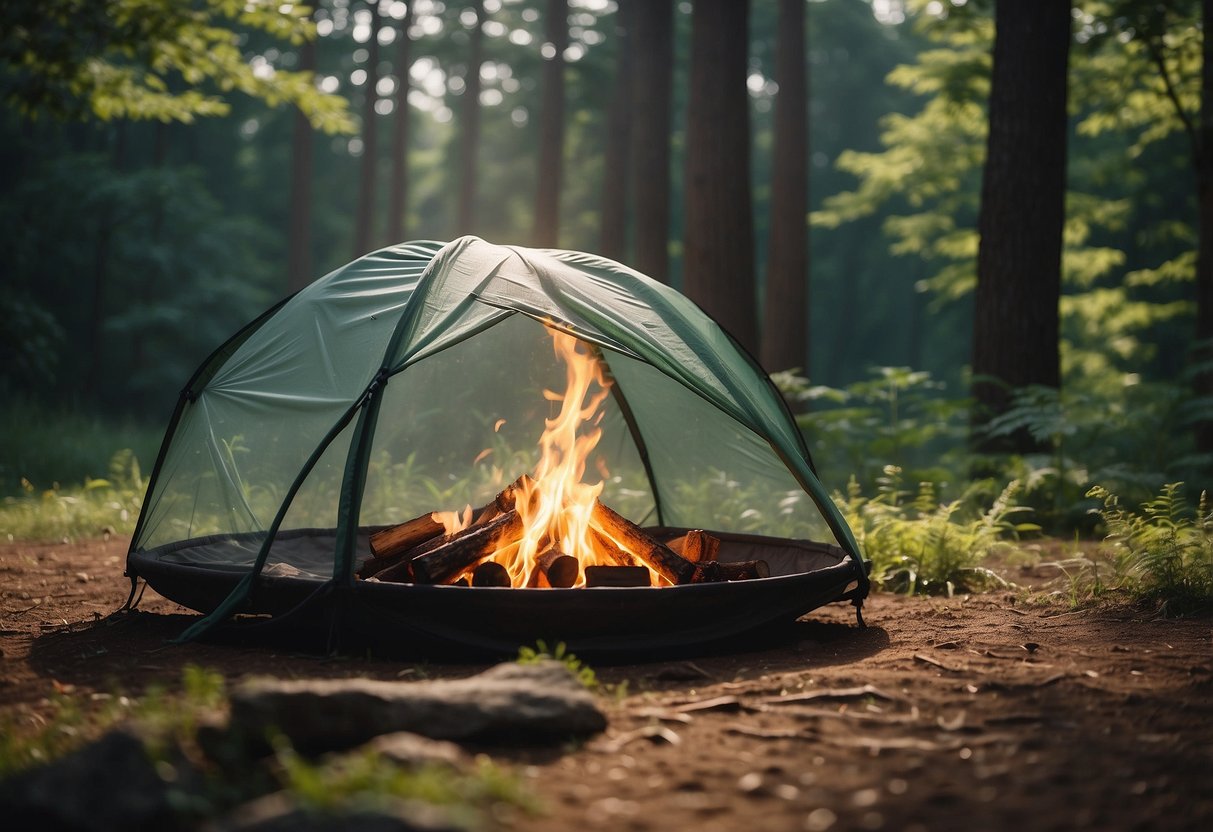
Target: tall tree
(612,240)
(1202,145)
(364,227)
(551,125)
(718,248)
(1015,315)
(785,309)
(469,133)
(652,89)
(299,227)
(398,197)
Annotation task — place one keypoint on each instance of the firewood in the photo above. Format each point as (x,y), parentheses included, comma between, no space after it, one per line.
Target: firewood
(474,544)
(714,571)
(396,539)
(491,573)
(605,547)
(399,560)
(673,567)
(553,568)
(617,576)
(697,546)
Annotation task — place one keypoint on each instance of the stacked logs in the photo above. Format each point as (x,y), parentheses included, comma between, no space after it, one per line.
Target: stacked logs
(420,551)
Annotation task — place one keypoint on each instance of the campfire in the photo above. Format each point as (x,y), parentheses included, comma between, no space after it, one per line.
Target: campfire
(548,528)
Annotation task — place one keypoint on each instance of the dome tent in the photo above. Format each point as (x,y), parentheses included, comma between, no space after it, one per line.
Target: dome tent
(369,397)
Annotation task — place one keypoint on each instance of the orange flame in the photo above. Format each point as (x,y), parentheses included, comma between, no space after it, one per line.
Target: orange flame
(555,506)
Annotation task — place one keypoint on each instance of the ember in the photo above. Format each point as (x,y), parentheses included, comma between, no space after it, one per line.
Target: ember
(549,529)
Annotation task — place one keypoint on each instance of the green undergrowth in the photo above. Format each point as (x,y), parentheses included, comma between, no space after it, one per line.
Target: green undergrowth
(1159,554)
(108,505)
(920,544)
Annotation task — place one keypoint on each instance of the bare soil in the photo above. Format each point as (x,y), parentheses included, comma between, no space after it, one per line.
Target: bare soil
(979,713)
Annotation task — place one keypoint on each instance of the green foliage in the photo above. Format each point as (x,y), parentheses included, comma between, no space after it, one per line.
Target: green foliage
(896,417)
(72,722)
(918,544)
(541,653)
(44,445)
(154,59)
(96,508)
(365,778)
(1162,554)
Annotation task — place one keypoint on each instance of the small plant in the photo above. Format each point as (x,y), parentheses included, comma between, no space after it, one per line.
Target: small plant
(1164,553)
(540,653)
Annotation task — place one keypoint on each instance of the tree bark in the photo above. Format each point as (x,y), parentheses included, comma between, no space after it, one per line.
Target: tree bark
(613,229)
(652,83)
(718,247)
(398,199)
(469,134)
(299,227)
(551,128)
(1203,354)
(1015,316)
(364,229)
(786,305)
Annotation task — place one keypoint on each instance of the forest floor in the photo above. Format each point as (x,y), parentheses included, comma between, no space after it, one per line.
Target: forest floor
(984,712)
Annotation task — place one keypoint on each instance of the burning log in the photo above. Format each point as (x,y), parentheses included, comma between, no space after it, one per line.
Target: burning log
(671,566)
(465,549)
(405,536)
(554,569)
(617,576)
(697,546)
(715,571)
(394,548)
(491,573)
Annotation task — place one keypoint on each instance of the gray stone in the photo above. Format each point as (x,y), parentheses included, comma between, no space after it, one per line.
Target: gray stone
(413,750)
(534,704)
(280,813)
(109,784)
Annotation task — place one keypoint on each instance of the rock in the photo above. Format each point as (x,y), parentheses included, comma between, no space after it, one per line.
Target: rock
(280,813)
(109,784)
(534,704)
(413,750)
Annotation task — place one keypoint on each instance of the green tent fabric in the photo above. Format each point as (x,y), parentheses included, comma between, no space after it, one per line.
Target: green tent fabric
(373,392)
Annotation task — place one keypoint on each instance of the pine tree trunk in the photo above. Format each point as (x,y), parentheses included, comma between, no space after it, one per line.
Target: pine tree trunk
(1015,316)
(551,128)
(299,230)
(652,82)
(718,250)
(469,136)
(398,200)
(613,227)
(364,230)
(785,319)
(1203,354)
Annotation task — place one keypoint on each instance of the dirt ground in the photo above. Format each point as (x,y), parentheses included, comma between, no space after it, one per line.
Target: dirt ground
(975,713)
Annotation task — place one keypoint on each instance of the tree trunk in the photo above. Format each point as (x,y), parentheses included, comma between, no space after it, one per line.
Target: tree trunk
(785,319)
(1203,354)
(299,231)
(613,226)
(398,198)
(551,128)
(469,136)
(652,82)
(1015,316)
(364,230)
(718,258)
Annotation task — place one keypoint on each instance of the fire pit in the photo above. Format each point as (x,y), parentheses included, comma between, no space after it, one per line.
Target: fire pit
(659,495)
